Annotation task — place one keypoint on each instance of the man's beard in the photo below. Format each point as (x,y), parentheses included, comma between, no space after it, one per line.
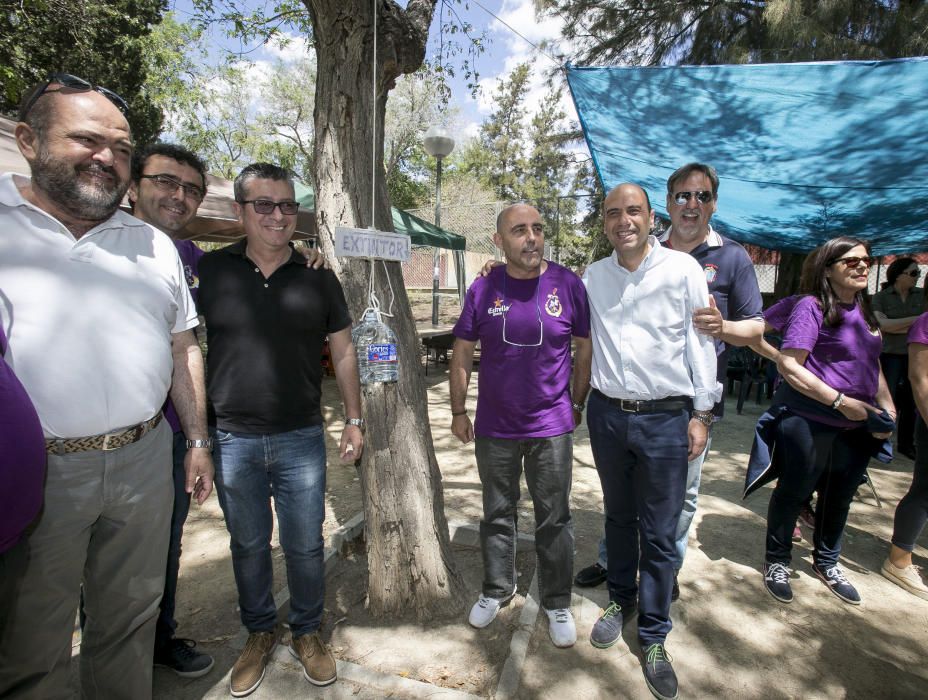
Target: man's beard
(89,201)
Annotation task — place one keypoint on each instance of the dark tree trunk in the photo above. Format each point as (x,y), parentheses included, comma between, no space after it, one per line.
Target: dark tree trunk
(788,272)
(409,552)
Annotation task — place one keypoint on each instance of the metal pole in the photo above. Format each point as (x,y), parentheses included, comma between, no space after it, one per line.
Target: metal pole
(436,259)
(557,233)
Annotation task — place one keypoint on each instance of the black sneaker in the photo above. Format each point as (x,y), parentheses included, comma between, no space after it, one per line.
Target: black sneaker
(776,580)
(180,656)
(591,576)
(675,593)
(837,583)
(658,673)
(608,628)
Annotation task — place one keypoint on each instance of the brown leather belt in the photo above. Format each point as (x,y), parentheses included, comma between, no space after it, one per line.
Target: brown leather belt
(110,441)
(671,403)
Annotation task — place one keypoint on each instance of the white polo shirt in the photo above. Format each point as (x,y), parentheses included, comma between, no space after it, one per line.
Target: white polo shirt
(644,344)
(89,320)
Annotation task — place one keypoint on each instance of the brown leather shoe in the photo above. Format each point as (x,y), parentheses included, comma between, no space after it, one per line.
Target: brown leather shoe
(318,662)
(249,670)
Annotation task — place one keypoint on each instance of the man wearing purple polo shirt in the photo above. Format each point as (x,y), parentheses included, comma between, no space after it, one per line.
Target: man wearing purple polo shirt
(525,315)
(168,184)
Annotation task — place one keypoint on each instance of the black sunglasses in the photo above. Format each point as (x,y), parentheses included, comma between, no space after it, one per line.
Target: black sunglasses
(71,82)
(702,196)
(854,261)
(166,183)
(914,273)
(266,206)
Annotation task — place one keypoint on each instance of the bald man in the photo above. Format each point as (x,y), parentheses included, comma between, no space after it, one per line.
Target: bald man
(99,319)
(525,315)
(653,387)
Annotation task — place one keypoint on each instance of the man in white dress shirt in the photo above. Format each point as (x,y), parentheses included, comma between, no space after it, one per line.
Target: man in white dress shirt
(654,384)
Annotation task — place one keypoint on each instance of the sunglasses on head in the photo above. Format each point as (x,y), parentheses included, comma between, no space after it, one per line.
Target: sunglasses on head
(702,196)
(266,206)
(854,261)
(75,84)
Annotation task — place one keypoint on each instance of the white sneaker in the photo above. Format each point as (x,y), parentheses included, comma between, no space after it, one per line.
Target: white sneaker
(483,612)
(907,577)
(561,627)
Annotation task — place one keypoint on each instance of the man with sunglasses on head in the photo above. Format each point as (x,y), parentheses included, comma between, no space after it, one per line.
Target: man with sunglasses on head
(100,326)
(267,317)
(734,316)
(525,315)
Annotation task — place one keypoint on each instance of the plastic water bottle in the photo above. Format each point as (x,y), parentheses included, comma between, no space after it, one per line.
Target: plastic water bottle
(375,344)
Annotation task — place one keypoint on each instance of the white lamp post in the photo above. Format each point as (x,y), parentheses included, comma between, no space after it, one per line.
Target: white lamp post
(438,144)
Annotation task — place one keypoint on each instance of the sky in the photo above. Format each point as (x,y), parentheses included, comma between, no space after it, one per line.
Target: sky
(505,49)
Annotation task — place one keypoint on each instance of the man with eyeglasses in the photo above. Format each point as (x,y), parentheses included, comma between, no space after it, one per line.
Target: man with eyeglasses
(524,314)
(734,316)
(653,387)
(168,184)
(267,317)
(100,326)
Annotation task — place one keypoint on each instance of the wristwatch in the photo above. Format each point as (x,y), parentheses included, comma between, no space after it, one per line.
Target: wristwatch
(355,421)
(207,444)
(704,417)
(578,407)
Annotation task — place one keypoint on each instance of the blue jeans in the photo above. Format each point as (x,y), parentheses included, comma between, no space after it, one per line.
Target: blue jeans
(815,457)
(548,463)
(693,475)
(167,625)
(290,467)
(641,460)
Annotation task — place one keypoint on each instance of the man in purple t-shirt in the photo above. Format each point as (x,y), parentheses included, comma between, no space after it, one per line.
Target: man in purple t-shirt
(168,184)
(524,315)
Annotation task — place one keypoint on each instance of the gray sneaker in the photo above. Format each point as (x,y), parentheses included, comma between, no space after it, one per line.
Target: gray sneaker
(249,670)
(608,627)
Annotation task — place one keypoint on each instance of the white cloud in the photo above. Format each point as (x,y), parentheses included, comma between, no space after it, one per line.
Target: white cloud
(287,47)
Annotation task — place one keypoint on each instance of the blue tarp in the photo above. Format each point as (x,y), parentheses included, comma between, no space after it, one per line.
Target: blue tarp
(804,151)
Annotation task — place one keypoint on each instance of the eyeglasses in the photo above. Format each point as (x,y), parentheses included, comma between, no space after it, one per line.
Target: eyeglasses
(914,273)
(266,206)
(541,324)
(702,196)
(71,82)
(168,184)
(854,261)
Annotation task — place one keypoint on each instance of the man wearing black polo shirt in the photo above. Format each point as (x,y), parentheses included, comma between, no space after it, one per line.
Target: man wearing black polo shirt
(267,316)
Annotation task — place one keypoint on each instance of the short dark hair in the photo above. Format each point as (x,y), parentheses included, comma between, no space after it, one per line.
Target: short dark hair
(896,268)
(168,150)
(816,282)
(259,171)
(681,173)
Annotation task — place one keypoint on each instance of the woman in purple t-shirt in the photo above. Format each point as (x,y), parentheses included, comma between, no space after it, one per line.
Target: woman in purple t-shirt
(912,511)
(829,359)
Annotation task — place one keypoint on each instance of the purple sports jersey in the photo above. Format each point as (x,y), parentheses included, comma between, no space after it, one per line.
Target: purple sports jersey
(918,331)
(525,329)
(190,256)
(22,456)
(846,357)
